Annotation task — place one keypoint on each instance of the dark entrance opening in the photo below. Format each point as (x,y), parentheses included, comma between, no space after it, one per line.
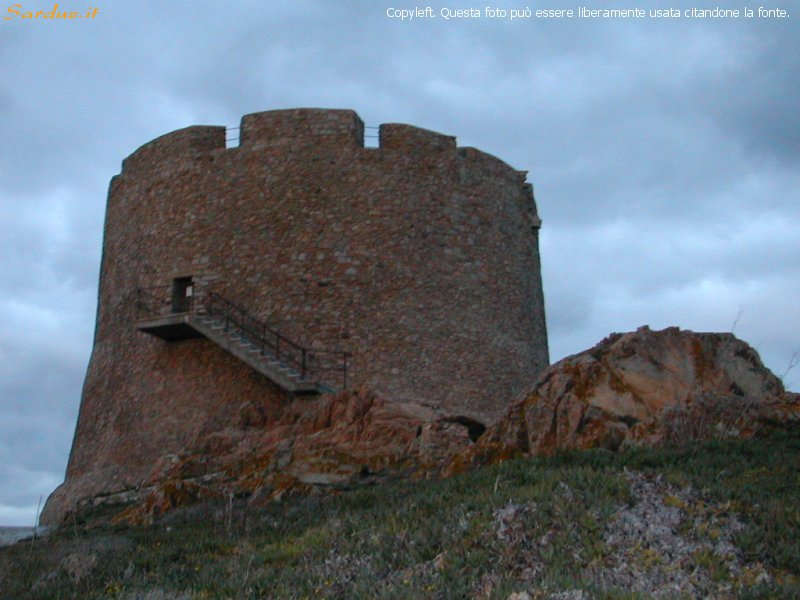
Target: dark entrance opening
(182,295)
(475,429)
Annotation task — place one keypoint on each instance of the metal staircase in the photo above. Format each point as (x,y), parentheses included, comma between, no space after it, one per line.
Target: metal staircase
(289,365)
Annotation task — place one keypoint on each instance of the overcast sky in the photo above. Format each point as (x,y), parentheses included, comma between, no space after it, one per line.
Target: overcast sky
(665,155)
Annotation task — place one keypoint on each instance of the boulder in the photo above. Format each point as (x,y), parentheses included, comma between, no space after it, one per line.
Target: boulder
(641,388)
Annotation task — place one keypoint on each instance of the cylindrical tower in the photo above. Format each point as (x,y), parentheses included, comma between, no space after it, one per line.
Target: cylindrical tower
(417,258)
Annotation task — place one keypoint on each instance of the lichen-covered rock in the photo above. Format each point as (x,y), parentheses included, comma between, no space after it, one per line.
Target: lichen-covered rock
(644,387)
(334,442)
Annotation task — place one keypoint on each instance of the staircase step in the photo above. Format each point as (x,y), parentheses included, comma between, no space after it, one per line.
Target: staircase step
(256,354)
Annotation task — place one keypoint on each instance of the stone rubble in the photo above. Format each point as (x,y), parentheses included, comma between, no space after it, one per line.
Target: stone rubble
(670,542)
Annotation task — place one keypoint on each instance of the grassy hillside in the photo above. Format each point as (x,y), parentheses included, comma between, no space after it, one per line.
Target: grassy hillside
(720,519)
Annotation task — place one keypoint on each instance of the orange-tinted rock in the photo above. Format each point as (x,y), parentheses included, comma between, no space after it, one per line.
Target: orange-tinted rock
(644,387)
(339,441)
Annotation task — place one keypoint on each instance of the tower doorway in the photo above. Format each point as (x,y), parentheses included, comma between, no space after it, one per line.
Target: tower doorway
(182,295)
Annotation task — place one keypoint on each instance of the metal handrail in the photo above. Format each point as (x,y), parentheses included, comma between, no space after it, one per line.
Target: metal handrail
(309,362)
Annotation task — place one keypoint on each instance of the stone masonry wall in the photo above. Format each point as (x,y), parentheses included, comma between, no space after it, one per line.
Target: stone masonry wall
(418,257)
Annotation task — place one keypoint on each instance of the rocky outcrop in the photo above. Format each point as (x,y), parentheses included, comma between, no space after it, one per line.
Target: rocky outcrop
(641,388)
(334,442)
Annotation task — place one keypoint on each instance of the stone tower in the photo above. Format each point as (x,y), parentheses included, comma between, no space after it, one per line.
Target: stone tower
(293,265)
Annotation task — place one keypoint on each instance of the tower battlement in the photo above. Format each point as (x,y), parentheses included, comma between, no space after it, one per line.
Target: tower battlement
(304,130)
(299,128)
(397,136)
(187,144)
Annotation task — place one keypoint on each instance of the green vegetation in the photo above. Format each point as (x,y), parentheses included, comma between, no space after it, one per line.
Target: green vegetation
(537,525)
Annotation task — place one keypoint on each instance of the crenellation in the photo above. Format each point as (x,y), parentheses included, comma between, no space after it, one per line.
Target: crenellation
(298,129)
(188,144)
(480,165)
(398,136)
